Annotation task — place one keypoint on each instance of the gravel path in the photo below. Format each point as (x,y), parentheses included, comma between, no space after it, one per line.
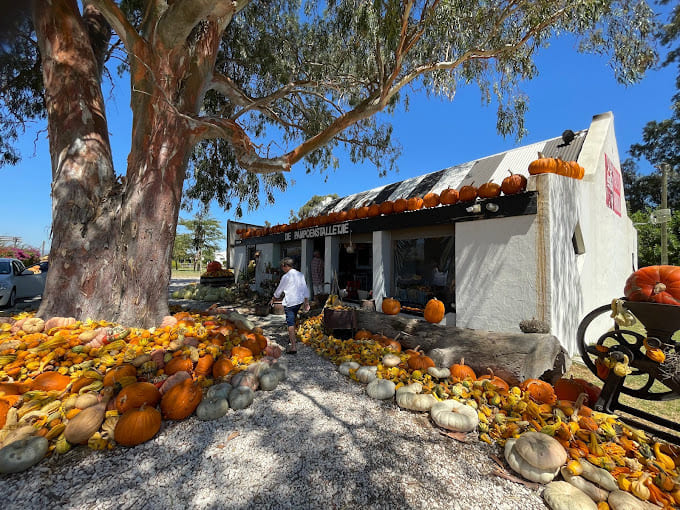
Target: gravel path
(316,441)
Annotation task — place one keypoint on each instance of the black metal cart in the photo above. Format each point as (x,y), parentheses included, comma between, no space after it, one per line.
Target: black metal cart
(637,371)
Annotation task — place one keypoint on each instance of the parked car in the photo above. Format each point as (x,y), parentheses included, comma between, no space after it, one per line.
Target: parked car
(17,282)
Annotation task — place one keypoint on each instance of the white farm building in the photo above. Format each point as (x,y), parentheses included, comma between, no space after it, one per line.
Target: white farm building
(554,252)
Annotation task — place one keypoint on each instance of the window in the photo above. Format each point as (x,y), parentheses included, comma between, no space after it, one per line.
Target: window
(423,269)
(577,240)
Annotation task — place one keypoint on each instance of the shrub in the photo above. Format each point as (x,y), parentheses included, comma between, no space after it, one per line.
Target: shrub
(29,256)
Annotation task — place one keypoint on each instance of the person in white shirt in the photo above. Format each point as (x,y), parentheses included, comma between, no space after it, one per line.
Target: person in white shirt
(295,293)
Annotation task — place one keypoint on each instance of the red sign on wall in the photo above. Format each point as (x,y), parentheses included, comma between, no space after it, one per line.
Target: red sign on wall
(612,186)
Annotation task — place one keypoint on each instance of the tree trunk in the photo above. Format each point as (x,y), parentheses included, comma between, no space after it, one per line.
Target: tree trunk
(112,238)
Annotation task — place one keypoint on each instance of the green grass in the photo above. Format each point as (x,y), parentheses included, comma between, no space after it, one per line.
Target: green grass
(185,273)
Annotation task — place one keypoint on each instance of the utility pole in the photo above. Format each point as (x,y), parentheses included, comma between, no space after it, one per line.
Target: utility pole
(664,206)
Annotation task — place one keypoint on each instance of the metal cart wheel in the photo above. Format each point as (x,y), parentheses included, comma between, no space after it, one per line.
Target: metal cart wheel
(618,342)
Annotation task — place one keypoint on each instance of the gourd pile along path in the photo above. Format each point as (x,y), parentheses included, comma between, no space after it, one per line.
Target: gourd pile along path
(316,441)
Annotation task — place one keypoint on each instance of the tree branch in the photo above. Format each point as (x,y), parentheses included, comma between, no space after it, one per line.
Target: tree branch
(127,33)
(182,16)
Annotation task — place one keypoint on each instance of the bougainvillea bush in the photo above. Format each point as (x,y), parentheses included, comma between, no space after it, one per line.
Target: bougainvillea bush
(28,256)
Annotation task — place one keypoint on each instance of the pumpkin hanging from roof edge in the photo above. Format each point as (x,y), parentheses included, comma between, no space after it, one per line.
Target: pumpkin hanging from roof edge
(414,203)
(391,306)
(434,311)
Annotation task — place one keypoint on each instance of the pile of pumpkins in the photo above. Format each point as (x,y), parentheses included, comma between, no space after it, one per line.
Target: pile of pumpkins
(214,269)
(511,185)
(547,431)
(64,382)
(205,293)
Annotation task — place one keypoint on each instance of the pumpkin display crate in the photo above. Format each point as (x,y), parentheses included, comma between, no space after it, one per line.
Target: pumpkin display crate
(339,319)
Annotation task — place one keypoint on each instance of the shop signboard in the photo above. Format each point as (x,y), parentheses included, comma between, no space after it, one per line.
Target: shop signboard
(612,186)
(312,232)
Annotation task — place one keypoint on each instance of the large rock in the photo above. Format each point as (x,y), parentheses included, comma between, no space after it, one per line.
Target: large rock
(512,356)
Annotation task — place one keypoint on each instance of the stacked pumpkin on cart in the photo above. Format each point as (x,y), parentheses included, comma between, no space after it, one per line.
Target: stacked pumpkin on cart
(65,383)
(546,431)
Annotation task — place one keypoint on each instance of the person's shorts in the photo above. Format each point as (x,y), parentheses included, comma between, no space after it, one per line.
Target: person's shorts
(291,313)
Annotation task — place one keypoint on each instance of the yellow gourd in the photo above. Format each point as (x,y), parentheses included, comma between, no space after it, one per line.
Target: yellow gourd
(663,459)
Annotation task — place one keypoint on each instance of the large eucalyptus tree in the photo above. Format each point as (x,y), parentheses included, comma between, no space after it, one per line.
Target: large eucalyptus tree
(223,80)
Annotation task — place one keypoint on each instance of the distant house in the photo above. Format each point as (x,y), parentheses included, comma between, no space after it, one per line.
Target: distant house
(554,253)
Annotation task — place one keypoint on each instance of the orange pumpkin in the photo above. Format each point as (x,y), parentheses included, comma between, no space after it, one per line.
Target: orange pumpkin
(449,196)
(420,362)
(387,207)
(136,395)
(363,334)
(571,388)
(460,371)
(15,388)
(434,311)
(240,353)
(391,306)
(414,203)
(431,200)
(541,391)
(390,343)
(115,374)
(657,284)
(342,216)
(362,212)
(499,383)
(400,205)
(513,184)
(489,190)
(467,193)
(543,165)
(80,383)
(178,364)
(373,210)
(222,367)
(204,365)
(181,400)
(49,381)
(252,344)
(136,426)
(352,214)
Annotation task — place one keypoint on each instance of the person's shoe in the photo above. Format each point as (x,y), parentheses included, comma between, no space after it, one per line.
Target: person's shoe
(291,351)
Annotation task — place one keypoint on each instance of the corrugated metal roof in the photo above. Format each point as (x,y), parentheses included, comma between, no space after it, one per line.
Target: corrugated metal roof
(491,168)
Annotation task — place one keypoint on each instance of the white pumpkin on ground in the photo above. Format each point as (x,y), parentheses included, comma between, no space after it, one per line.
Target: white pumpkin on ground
(212,408)
(410,397)
(593,491)
(564,496)
(391,360)
(600,477)
(269,379)
(439,372)
(380,389)
(366,374)
(536,456)
(622,500)
(345,367)
(21,455)
(454,415)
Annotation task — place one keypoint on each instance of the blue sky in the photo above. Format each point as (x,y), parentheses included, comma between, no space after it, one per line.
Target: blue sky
(434,134)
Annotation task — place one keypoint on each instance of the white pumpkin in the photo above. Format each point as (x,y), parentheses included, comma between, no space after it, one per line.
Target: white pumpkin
(391,360)
(409,397)
(600,477)
(21,455)
(345,367)
(269,379)
(564,496)
(454,415)
(380,389)
(281,368)
(592,490)
(241,397)
(366,374)
(439,372)
(622,500)
(212,408)
(219,391)
(535,456)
